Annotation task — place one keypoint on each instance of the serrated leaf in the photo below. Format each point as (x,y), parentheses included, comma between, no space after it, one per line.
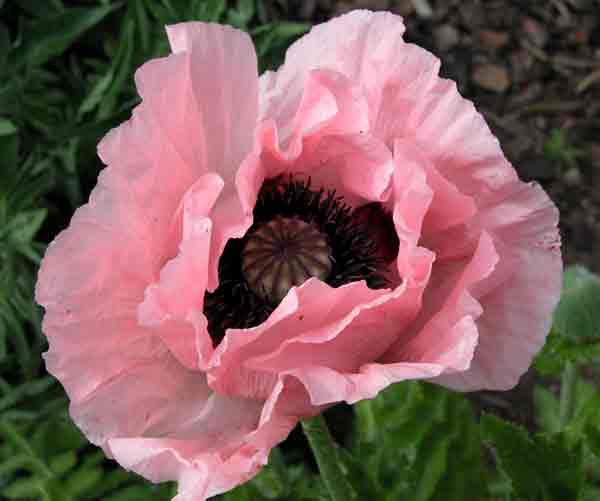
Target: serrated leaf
(560,350)
(465,474)
(426,445)
(543,467)
(578,312)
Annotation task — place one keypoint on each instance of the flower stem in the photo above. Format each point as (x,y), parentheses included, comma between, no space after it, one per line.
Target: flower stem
(323,447)
(568,388)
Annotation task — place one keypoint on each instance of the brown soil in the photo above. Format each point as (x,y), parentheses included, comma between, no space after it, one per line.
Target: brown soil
(532,67)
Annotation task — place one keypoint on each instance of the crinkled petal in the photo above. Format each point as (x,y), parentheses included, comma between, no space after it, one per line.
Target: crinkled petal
(341,329)
(224,443)
(519,297)
(173,305)
(327,139)
(476,191)
(326,385)
(198,115)
(348,44)
(224,85)
(312,313)
(224,79)
(447,301)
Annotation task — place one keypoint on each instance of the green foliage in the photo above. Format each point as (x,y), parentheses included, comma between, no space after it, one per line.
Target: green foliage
(66,78)
(559,150)
(53,461)
(21,186)
(280,482)
(578,313)
(422,443)
(49,37)
(575,334)
(540,467)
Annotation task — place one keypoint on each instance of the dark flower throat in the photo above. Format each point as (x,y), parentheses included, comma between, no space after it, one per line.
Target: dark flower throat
(297,233)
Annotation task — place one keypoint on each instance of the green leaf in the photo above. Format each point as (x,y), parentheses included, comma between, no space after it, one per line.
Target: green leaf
(271,41)
(50,37)
(7,127)
(560,350)
(96,94)
(23,489)
(143,24)
(209,10)
(578,312)
(546,409)
(542,467)
(122,67)
(418,442)
(591,494)
(82,480)
(23,227)
(62,463)
(242,14)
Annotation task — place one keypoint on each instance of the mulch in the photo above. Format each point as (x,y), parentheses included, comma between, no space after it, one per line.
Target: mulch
(532,67)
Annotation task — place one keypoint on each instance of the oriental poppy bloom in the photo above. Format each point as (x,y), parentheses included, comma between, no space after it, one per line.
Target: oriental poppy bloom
(258,249)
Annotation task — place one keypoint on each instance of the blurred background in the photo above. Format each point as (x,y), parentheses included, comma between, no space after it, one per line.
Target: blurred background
(531,67)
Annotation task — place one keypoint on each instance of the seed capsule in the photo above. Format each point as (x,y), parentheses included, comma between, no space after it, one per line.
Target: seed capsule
(283,253)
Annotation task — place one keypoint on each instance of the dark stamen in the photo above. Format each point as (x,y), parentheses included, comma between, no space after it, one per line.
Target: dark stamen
(297,233)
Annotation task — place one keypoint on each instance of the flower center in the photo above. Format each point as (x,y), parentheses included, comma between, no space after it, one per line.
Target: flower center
(297,233)
(282,253)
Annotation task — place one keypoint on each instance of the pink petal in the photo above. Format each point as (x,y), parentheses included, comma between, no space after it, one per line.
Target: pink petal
(224,90)
(228,103)
(447,301)
(475,190)
(410,201)
(347,44)
(314,326)
(223,445)
(248,361)
(189,124)
(173,305)
(516,317)
(326,141)
(424,110)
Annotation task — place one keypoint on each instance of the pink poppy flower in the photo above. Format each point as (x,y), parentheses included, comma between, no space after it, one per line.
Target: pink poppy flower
(260,248)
